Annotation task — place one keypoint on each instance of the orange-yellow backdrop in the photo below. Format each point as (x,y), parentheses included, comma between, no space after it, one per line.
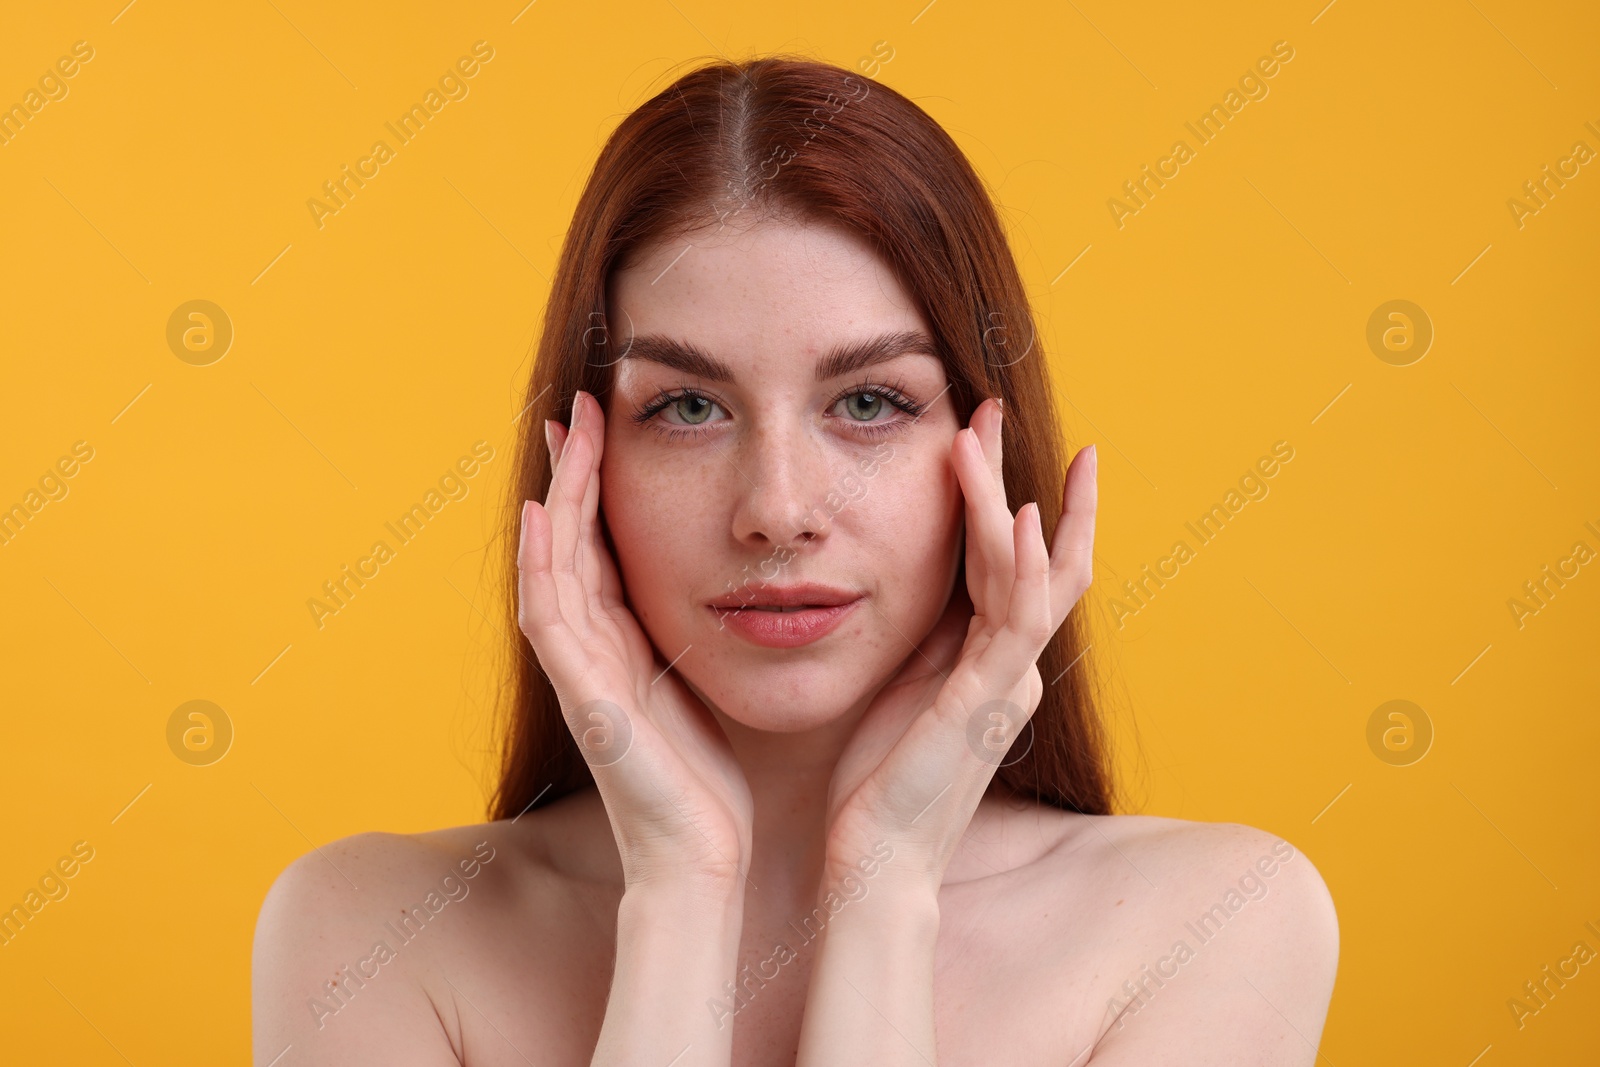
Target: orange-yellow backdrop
(1229,312)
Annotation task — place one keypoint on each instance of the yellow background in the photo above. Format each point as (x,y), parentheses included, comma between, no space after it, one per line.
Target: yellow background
(1228,314)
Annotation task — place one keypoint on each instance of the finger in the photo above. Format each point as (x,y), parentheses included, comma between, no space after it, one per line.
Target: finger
(992,433)
(1072,548)
(990,554)
(555,437)
(1028,625)
(564,505)
(985,422)
(538,607)
(589,547)
(597,558)
(1028,617)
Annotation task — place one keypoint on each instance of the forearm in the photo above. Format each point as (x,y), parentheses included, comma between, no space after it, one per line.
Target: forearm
(675,950)
(870,1000)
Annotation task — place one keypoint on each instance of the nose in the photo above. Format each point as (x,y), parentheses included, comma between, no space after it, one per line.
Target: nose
(782,490)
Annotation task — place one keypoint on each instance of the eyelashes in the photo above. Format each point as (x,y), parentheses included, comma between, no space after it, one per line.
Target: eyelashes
(891,392)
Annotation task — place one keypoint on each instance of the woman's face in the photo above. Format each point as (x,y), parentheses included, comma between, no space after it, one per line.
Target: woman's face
(783,466)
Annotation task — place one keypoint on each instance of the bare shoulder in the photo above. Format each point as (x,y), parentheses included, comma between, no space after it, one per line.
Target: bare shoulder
(1185,848)
(350,934)
(1227,941)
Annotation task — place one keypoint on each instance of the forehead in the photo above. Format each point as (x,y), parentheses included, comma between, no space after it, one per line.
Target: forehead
(790,288)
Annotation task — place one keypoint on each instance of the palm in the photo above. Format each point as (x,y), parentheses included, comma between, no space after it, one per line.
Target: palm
(925,737)
(677,798)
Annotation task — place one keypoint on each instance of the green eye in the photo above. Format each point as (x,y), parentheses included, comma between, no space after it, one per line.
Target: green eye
(874,403)
(704,412)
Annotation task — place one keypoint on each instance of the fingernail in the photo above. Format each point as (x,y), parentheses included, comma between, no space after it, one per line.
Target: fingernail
(1093,460)
(550,441)
(577,409)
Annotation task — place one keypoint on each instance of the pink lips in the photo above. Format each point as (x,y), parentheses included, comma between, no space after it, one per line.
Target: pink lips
(786,629)
(815,610)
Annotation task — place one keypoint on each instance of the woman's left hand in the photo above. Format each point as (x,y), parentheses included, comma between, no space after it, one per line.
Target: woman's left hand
(927,747)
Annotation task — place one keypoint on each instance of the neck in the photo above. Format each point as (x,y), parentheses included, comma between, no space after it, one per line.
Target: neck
(789,775)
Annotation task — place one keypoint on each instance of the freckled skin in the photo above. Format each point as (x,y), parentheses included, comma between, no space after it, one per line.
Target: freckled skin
(1034,953)
(688,514)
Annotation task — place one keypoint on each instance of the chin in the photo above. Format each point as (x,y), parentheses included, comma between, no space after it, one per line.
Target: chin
(777,699)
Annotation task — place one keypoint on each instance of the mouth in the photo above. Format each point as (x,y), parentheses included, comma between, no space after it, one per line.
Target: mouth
(783,610)
(803,596)
(785,617)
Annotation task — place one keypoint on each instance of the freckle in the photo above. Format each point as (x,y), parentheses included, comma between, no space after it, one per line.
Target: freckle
(1119,903)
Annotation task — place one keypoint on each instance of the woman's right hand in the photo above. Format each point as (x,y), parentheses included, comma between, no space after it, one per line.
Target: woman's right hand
(677,799)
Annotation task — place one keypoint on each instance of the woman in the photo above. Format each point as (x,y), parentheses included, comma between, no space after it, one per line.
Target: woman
(802,763)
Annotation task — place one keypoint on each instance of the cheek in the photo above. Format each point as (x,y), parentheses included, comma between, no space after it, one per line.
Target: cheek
(917,512)
(658,523)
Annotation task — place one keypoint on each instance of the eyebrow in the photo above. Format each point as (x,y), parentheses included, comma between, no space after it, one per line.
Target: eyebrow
(842,359)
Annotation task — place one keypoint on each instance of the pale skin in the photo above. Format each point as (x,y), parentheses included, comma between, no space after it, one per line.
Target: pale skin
(757,781)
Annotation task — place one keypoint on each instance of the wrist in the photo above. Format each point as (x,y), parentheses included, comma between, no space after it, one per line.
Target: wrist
(883,895)
(719,884)
(884,871)
(689,901)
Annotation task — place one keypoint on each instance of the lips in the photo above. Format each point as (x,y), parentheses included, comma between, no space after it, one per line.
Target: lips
(787,597)
(785,616)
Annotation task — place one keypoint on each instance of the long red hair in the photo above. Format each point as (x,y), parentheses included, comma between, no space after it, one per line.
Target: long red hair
(794,136)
